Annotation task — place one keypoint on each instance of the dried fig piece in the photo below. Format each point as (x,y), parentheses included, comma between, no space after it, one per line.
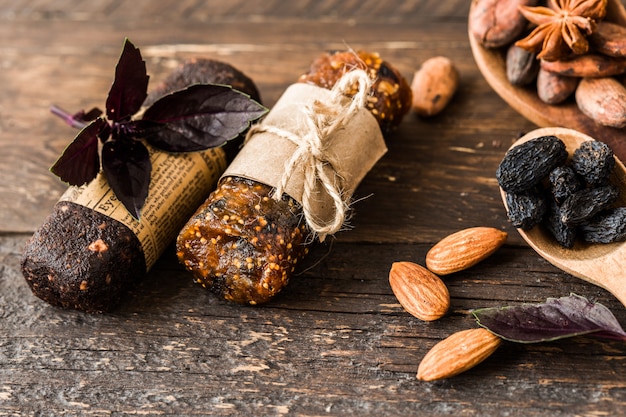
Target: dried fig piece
(584,204)
(526,165)
(593,161)
(563,183)
(607,227)
(526,209)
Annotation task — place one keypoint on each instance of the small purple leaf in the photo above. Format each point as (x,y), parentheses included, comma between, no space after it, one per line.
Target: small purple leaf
(78,120)
(557,318)
(80,163)
(200,117)
(89,116)
(126,164)
(129,89)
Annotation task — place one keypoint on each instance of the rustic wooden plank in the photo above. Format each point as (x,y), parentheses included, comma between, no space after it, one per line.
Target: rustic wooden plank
(335,343)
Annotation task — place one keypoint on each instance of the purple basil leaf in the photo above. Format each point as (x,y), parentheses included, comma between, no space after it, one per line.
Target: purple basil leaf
(80,163)
(200,117)
(89,116)
(557,318)
(105,133)
(79,120)
(126,164)
(129,89)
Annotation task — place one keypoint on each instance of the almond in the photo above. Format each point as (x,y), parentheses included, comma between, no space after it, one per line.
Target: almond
(457,353)
(419,291)
(464,249)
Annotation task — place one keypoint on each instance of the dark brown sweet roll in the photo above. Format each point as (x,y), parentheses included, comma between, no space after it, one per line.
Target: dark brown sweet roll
(85,259)
(244,244)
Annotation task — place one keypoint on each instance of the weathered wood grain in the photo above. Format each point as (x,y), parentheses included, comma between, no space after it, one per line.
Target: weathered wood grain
(336,341)
(54,66)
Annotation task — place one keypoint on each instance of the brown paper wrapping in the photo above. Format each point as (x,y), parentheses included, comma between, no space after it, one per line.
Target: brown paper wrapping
(353,149)
(179,184)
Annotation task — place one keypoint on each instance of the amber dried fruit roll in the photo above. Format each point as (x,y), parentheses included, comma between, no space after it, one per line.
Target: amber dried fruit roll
(243,244)
(390,96)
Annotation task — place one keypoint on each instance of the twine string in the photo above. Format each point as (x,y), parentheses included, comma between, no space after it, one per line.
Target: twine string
(322,120)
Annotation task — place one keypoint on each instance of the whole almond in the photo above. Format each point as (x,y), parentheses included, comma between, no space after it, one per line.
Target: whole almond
(419,291)
(603,100)
(457,353)
(464,249)
(433,85)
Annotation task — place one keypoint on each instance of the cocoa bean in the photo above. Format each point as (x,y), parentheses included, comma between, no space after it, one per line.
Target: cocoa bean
(609,39)
(433,86)
(496,23)
(553,88)
(603,100)
(521,66)
(589,65)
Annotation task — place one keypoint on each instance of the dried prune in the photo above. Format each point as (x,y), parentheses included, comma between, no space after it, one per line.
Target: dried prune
(526,209)
(563,183)
(580,199)
(563,233)
(607,227)
(593,161)
(584,204)
(527,164)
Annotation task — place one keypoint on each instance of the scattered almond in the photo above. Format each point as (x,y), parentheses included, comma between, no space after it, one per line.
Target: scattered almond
(457,353)
(464,249)
(433,86)
(419,291)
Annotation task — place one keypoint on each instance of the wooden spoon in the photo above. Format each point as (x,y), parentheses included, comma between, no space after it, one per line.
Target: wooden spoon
(603,265)
(524,100)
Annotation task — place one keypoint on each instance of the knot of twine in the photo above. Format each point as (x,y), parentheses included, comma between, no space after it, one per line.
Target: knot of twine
(322,120)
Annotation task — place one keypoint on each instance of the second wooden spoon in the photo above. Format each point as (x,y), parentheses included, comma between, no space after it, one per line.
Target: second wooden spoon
(603,265)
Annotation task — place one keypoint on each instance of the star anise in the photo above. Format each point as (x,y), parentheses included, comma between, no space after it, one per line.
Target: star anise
(562,28)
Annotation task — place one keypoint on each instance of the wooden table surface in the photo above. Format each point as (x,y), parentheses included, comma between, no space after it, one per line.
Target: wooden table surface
(336,341)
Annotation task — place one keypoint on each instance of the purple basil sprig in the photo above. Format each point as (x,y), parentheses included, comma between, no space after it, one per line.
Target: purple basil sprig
(555,319)
(196,118)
